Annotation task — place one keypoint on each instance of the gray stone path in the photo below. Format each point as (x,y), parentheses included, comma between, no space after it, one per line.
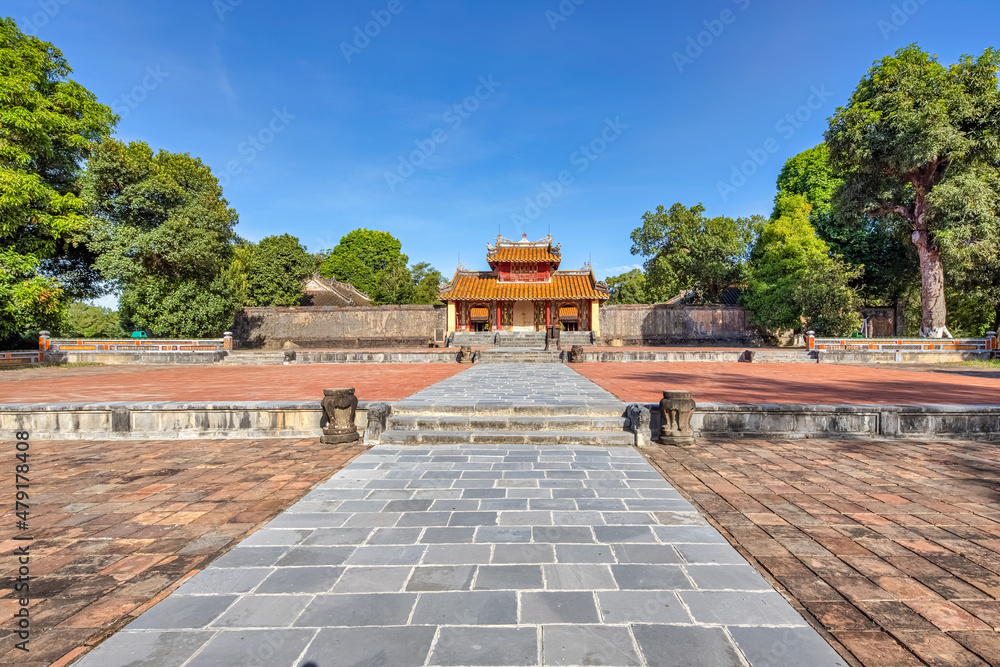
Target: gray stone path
(478,555)
(484,385)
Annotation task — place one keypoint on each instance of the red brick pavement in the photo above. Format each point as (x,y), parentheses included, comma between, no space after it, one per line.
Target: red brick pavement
(218,383)
(118,525)
(795,383)
(893,547)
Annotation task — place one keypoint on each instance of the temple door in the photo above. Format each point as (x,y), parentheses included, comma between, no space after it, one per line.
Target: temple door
(524,316)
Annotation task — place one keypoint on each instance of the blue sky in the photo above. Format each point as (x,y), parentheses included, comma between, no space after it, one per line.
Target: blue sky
(450,121)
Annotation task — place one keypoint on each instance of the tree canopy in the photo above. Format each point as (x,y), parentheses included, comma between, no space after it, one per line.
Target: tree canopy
(48,125)
(629,287)
(164,235)
(794,281)
(917,148)
(276,270)
(684,250)
(360,258)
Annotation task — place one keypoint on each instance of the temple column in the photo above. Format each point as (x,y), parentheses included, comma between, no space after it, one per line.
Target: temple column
(595,317)
(452,321)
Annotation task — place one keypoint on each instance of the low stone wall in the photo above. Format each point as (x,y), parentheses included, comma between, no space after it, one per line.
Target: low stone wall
(660,324)
(123,358)
(170,421)
(785,420)
(888,357)
(612,355)
(444,356)
(329,327)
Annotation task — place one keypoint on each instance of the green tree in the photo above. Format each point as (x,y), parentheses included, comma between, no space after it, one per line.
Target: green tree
(87,321)
(917,148)
(426,281)
(628,287)
(48,124)
(360,258)
(164,235)
(887,257)
(794,282)
(395,285)
(686,250)
(278,267)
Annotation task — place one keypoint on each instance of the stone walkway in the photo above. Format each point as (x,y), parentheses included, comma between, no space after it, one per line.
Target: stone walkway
(478,555)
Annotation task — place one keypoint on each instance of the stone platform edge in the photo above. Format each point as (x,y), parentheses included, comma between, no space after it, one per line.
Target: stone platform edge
(305,419)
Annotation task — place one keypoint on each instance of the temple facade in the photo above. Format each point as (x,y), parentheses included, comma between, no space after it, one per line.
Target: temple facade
(524,290)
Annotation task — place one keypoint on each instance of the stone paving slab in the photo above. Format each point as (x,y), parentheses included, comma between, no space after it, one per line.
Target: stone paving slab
(392,563)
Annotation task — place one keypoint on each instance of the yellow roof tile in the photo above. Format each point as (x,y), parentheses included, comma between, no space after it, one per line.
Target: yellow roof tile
(473,286)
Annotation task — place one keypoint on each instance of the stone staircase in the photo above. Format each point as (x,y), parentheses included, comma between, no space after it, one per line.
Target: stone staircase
(774,356)
(519,338)
(512,424)
(523,355)
(258,358)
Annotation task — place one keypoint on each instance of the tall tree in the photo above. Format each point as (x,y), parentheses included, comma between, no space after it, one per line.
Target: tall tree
(360,258)
(794,282)
(87,321)
(277,269)
(887,257)
(48,124)
(164,235)
(394,286)
(917,146)
(686,250)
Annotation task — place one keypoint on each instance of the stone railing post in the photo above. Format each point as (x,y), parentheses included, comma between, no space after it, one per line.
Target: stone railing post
(576,354)
(43,341)
(340,407)
(991,340)
(676,410)
(639,423)
(227,341)
(465,354)
(810,340)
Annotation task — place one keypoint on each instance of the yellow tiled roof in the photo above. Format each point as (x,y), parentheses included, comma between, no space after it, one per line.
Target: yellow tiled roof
(525,253)
(474,286)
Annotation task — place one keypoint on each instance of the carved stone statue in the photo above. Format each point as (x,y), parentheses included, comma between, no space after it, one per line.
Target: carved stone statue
(639,418)
(576,354)
(465,354)
(340,407)
(676,410)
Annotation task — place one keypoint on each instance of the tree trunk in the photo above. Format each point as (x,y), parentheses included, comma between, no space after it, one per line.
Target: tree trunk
(933,313)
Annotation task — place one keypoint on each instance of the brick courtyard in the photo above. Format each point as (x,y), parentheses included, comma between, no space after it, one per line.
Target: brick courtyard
(388,382)
(894,547)
(712,382)
(797,382)
(118,525)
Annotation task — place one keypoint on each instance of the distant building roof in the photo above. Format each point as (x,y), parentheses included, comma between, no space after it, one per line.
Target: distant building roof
(320,291)
(476,285)
(523,251)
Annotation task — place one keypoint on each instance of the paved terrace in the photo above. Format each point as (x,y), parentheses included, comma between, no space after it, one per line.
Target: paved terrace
(640,381)
(478,555)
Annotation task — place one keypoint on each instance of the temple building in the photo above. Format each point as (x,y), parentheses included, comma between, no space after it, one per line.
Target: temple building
(524,291)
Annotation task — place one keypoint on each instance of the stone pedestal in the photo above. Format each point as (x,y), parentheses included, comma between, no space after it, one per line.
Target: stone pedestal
(676,410)
(340,407)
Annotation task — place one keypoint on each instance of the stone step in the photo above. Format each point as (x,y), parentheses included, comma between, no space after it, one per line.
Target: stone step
(601,438)
(479,423)
(258,358)
(519,356)
(504,409)
(784,356)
